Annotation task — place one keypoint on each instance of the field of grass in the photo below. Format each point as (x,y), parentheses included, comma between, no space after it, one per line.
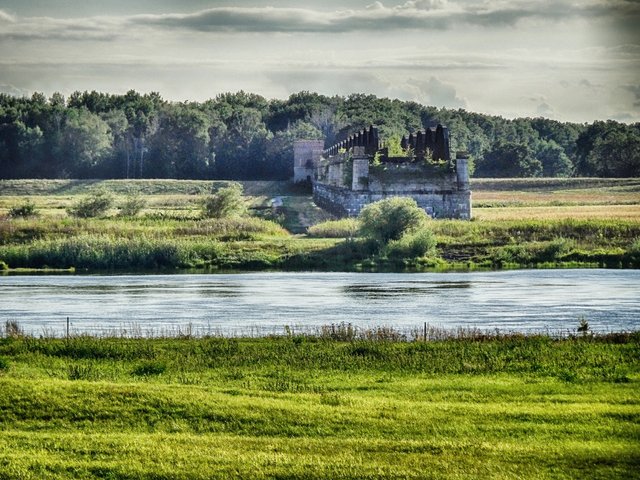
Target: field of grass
(518,223)
(595,198)
(331,405)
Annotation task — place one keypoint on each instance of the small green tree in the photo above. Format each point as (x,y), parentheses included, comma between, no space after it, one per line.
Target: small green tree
(391,218)
(133,205)
(95,204)
(24,210)
(394,146)
(226,202)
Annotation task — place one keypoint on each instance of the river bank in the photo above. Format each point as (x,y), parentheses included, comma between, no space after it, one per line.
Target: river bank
(146,243)
(519,223)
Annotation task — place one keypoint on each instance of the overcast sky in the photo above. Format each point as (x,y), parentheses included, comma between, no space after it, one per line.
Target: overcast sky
(574,60)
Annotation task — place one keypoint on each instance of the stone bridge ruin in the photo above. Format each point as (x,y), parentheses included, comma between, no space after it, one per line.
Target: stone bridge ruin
(359,170)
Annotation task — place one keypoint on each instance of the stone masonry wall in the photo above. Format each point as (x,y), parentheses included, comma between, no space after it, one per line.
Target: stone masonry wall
(443,192)
(305,154)
(347,203)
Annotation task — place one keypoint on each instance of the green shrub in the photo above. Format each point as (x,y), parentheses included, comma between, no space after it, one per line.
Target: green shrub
(413,245)
(633,253)
(556,248)
(226,202)
(391,218)
(82,372)
(147,369)
(4,364)
(3,265)
(530,253)
(93,205)
(132,205)
(343,228)
(24,210)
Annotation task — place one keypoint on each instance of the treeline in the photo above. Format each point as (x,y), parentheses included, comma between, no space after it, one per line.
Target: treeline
(245,136)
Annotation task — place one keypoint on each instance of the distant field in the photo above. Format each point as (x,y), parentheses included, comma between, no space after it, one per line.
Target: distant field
(145,187)
(578,192)
(541,184)
(492,198)
(586,212)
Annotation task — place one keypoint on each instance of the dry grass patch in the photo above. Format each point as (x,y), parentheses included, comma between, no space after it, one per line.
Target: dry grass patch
(586,212)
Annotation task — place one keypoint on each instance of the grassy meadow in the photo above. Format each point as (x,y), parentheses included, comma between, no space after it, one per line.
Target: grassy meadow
(337,404)
(520,223)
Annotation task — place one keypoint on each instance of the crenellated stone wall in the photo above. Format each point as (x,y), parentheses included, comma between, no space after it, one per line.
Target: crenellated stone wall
(345,179)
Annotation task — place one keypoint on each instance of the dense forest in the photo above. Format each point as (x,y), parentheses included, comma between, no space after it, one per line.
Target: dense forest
(245,136)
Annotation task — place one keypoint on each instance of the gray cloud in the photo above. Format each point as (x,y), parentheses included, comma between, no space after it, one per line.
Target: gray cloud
(635,91)
(290,20)
(13,90)
(588,84)
(431,91)
(624,117)
(6,18)
(45,28)
(435,92)
(545,110)
(412,15)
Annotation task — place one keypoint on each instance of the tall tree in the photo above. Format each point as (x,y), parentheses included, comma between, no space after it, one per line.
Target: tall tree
(555,162)
(180,146)
(242,146)
(86,141)
(509,159)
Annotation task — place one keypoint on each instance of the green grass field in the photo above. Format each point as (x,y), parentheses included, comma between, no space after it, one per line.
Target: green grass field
(319,407)
(518,223)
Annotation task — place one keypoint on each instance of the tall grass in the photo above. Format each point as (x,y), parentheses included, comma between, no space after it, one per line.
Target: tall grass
(599,232)
(343,228)
(346,348)
(98,252)
(144,186)
(537,184)
(232,228)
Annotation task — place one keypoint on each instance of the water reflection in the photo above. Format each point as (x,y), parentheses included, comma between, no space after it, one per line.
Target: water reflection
(400,289)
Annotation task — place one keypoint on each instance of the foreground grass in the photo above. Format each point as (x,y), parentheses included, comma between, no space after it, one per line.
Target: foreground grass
(320,407)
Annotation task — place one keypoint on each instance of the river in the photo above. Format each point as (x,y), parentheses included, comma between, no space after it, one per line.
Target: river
(261,303)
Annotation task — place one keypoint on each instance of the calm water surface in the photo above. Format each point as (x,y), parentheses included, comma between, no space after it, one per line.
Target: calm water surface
(261,303)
